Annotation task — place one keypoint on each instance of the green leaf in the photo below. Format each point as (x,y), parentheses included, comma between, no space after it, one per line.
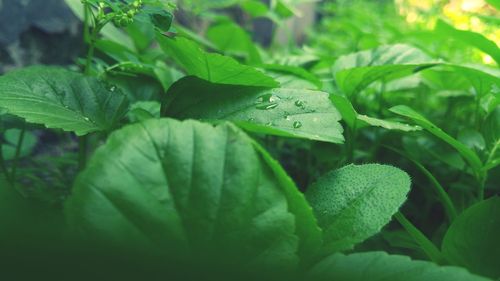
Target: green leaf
(190,190)
(162,20)
(473,241)
(472,38)
(11,137)
(143,110)
(353,203)
(494,3)
(356,71)
(286,112)
(239,43)
(58,98)
(468,154)
(293,77)
(358,121)
(210,66)
(380,266)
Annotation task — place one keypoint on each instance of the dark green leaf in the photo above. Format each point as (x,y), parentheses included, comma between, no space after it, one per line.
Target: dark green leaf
(379,266)
(190,190)
(473,241)
(58,98)
(286,112)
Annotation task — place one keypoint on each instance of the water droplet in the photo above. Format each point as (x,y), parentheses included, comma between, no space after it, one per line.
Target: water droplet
(251,120)
(297,124)
(267,101)
(86,119)
(112,88)
(269,124)
(301,104)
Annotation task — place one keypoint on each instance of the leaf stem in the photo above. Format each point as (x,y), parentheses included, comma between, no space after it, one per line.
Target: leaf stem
(17,155)
(425,244)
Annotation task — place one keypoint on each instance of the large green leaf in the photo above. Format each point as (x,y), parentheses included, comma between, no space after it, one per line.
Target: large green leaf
(190,190)
(379,266)
(210,66)
(473,240)
(58,98)
(285,112)
(472,38)
(420,120)
(355,202)
(356,71)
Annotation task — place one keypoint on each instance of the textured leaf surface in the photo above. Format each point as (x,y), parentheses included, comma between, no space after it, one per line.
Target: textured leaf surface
(212,67)
(356,71)
(355,202)
(189,189)
(286,112)
(473,240)
(379,266)
(61,99)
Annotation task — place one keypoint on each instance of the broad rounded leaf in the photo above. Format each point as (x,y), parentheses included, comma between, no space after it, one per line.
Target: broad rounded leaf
(473,240)
(58,98)
(190,190)
(379,266)
(356,201)
(286,112)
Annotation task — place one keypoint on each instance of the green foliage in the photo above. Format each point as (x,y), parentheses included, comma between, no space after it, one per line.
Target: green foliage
(264,183)
(286,112)
(355,202)
(381,266)
(189,189)
(472,240)
(212,67)
(58,98)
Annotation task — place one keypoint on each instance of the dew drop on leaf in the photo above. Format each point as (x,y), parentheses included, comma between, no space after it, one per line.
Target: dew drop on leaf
(297,124)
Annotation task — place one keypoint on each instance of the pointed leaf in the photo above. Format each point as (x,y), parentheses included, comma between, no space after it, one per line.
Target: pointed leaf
(466,152)
(286,112)
(212,67)
(356,71)
(355,202)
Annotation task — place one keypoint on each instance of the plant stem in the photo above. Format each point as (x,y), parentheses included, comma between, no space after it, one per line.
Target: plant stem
(3,167)
(82,152)
(443,196)
(425,244)
(17,155)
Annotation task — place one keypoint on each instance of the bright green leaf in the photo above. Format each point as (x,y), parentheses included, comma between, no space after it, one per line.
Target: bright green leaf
(420,120)
(210,66)
(353,203)
(472,38)
(356,71)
